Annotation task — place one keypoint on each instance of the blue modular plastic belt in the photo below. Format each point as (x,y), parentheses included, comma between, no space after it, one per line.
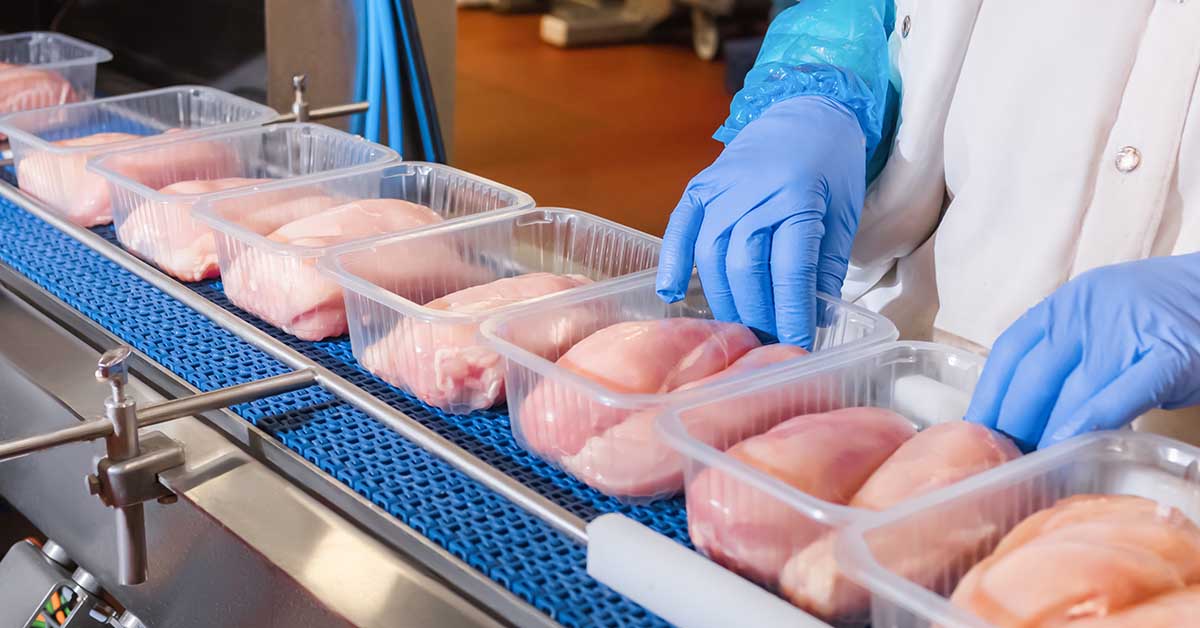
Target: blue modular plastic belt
(515,549)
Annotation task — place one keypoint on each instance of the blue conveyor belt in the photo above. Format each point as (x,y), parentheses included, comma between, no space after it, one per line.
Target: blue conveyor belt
(502,541)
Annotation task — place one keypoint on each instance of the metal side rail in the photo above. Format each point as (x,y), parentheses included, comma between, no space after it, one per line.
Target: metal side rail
(526,540)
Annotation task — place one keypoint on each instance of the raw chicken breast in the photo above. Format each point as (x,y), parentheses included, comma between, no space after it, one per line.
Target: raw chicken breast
(828,456)
(1051,583)
(933,459)
(1089,556)
(630,459)
(445,365)
(167,234)
(23,88)
(639,357)
(937,457)
(1169,610)
(63,181)
(287,290)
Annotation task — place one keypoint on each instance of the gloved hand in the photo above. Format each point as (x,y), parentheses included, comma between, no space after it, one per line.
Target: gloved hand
(771,221)
(1103,349)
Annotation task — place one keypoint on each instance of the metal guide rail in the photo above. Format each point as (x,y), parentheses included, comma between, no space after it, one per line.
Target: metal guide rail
(461,481)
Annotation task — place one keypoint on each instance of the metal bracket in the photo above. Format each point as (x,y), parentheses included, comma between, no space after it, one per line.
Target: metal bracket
(135,481)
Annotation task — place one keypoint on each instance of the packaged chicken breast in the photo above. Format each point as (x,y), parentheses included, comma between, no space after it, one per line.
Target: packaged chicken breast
(39,69)
(154,189)
(823,445)
(420,332)
(272,272)
(51,147)
(1100,531)
(591,408)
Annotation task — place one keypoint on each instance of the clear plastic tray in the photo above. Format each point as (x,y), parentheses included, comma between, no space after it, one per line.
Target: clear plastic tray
(278,281)
(598,462)
(64,69)
(56,174)
(963,523)
(436,354)
(281,158)
(925,382)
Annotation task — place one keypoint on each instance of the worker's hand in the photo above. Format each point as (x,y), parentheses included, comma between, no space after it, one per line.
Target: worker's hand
(1103,349)
(771,222)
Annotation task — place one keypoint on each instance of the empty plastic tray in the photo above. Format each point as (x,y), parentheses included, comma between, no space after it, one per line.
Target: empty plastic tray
(925,382)
(957,527)
(54,69)
(56,174)
(158,225)
(277,280)
(562,416)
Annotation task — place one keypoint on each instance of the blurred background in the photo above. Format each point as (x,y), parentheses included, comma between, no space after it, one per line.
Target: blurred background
(603,105)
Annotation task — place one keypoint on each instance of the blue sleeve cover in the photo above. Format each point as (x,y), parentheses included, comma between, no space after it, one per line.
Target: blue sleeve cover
(832,48)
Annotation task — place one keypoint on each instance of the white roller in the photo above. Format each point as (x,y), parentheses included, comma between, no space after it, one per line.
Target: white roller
(678,584)
(929,401)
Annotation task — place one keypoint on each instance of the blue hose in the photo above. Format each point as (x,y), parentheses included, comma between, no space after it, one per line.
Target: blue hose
(391,68)
(360,64)
(374,78)
(424,108)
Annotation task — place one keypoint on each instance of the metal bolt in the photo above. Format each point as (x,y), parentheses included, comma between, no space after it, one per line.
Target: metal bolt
(167,500)
(905,26)
(86,580)
(93,484)
(56,553)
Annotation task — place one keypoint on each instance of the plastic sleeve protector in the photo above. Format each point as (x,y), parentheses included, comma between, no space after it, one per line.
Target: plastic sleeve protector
(832,48)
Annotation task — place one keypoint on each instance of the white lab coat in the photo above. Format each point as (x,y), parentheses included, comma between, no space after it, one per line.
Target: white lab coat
(1037,139)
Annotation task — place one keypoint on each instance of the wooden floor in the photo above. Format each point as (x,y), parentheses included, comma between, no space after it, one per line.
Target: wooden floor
(616,131)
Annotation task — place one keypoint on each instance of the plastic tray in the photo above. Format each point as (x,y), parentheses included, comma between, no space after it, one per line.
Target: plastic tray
(435,354)
(278,281)
(69,59)
(849,327)
(165,229)
(986,507)
(57,175)
(927,383)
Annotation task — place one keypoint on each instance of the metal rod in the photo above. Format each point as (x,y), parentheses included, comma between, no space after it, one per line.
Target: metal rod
(553,514)
(225,397)
(324,113)
(133,564)
(162,412)
(91,430)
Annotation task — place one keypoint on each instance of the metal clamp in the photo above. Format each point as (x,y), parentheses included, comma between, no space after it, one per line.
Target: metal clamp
(135,481)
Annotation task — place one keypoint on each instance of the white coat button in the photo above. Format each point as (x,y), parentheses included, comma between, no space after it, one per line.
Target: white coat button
(1128,159)
(905,26)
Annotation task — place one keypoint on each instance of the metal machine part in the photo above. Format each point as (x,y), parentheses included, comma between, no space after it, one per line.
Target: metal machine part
(38,592)
(128,476)
(243,545)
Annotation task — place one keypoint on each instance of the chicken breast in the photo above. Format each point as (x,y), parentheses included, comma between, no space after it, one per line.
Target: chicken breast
(640,357)
(445,365)
(23,88)
(63,182)
(631,460)
(828,456)
(287,290)
(1169,610)
(935,458)
(167,235)
(1087,557)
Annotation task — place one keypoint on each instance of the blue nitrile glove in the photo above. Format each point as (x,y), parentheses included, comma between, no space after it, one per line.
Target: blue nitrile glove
(1106,347)
(770,223)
